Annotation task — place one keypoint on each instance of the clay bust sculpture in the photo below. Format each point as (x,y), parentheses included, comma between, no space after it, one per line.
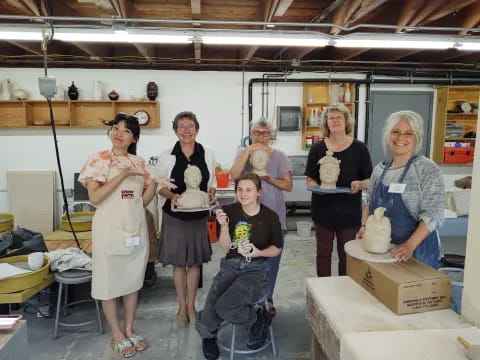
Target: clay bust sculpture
(193,197)
(259,160)
(377,236)
(329,171)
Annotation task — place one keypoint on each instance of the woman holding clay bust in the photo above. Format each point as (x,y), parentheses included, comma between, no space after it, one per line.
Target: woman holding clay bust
(410,188)
(276,177)
(337,214)
(185,244)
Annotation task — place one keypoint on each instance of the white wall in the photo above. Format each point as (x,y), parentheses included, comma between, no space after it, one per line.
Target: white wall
(216,98)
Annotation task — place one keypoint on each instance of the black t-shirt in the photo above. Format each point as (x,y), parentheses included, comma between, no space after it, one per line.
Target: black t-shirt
(339,210)
(181,163)
(262,229)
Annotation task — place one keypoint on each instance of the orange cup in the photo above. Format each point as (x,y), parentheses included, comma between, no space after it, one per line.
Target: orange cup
(222,179)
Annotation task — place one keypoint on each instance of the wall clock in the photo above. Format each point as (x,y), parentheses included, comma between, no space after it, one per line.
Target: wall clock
(142,116)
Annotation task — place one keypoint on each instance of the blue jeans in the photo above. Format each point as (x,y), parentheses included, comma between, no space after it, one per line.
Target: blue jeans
(237,287)
(274,266)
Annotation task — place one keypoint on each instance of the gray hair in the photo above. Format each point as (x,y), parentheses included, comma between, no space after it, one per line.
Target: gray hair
(338,108)
(262,123)
(414,120)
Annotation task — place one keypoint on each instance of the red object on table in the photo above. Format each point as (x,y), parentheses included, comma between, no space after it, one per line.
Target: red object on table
(458,155)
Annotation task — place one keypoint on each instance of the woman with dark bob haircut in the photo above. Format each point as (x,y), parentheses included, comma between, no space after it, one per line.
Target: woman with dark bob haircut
(184,238)
(120,187)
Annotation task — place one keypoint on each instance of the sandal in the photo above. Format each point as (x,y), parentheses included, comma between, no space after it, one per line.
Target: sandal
(124,348)
(139,342)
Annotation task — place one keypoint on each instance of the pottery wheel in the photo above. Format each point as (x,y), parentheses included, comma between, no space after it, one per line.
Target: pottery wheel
(355,249)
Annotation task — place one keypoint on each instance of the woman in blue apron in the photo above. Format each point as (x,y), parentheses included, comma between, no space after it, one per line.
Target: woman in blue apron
(411,189)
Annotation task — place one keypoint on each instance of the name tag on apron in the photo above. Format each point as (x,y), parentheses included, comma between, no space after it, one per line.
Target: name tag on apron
(132,241)
(397,188)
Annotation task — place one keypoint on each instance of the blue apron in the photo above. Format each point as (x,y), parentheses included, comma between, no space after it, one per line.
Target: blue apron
(403,224)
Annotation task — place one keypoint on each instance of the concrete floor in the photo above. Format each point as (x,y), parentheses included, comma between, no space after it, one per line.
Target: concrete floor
(158,307)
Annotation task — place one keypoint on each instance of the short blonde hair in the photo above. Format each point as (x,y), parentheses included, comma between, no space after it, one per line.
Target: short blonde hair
(414,120)
(338,108)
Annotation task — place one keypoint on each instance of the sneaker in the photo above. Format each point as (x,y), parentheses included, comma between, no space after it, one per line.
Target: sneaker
(258,332)
(210,348)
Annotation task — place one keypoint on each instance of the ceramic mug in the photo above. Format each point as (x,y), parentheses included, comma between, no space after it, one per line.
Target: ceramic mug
(35,260)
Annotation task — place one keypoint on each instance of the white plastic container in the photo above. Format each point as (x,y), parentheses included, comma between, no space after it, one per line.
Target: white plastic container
(304,228)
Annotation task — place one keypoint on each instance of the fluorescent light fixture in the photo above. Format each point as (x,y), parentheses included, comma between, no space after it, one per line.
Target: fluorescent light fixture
(395,41)
(267,38)
(468,46)
(13,32)
(129,36)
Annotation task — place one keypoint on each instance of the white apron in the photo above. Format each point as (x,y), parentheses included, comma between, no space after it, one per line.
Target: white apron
(118,269)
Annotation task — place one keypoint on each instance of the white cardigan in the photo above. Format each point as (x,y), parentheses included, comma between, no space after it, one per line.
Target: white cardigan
(166,162)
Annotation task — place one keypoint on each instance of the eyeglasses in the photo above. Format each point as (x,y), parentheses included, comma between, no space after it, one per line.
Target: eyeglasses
(187,127)
(406,134)
(263,133)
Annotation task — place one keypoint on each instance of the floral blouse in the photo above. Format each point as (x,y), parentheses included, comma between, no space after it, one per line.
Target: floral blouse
(98,165)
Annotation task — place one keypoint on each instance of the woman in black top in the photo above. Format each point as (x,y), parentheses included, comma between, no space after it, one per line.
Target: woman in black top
(185,243)
(337,215)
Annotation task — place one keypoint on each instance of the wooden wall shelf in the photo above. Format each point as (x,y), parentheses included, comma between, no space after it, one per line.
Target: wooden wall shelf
(448,109)
(72,113)
(315,99)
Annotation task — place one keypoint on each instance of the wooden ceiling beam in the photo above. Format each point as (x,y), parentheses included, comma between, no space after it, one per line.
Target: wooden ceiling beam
(196,9)
(32,6)
(449,8)
(472,18)
(282,7)
(366,8)
(410,8)
(327,11)
(400,54)
(429,8)
(93,50)
(147,51)
(197,49)
(30,47)
(268,11)
(20,6)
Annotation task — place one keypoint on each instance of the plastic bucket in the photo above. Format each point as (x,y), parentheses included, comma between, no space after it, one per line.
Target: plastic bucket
(304,228)
(222,179)
(457,287)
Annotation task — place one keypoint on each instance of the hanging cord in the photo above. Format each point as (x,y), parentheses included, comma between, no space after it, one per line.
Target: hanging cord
(54,132)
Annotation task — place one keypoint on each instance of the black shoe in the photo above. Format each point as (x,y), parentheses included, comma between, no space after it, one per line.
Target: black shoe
(210,348)
(258,332)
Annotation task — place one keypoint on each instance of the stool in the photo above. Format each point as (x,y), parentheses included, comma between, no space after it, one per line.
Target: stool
(72,277)
(270,341)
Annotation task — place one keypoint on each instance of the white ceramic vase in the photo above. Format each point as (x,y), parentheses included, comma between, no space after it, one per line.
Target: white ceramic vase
(6,92)
(97,92)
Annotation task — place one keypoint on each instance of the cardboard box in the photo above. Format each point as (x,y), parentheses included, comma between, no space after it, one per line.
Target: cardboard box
(406,287)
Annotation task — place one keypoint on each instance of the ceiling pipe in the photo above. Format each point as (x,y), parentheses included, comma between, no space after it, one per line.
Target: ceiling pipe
(114,19)
(369,80)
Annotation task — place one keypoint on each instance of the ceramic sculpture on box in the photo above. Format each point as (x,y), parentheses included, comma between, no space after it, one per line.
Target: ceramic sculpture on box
(329,171)
(259,160)
(193,197)
(73,92)
(377,236)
